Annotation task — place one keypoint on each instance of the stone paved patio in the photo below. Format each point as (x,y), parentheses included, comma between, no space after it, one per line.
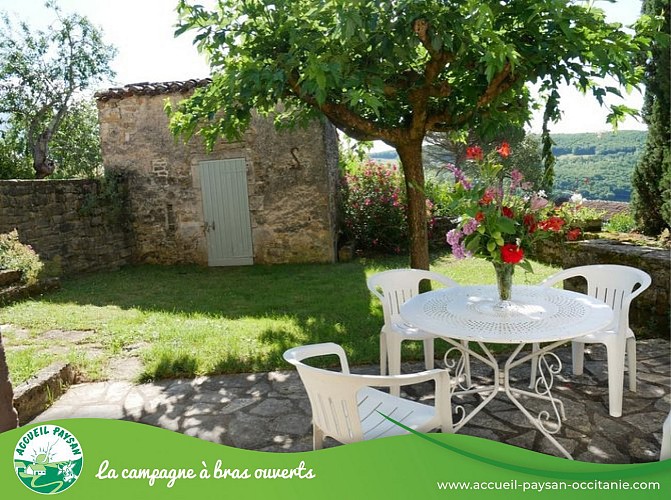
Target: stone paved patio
(271,412)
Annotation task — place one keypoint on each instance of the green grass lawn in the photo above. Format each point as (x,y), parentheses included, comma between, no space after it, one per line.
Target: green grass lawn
(188,320)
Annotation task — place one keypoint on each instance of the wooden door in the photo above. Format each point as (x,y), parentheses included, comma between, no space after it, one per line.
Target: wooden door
(226,211)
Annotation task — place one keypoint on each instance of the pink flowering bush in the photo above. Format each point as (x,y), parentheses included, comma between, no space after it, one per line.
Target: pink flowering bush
(500,217)
(373,207)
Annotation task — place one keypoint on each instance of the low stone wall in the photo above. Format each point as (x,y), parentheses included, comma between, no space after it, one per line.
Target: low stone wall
(57,218)
(649,313)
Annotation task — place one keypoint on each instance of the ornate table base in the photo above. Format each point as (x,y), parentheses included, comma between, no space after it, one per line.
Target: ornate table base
(549,365)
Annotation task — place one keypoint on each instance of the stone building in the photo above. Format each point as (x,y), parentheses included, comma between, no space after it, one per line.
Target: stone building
(270,198)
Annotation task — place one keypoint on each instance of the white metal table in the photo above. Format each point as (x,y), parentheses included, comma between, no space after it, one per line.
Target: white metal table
(536,314)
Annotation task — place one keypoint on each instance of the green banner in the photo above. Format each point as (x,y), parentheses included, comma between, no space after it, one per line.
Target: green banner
(110,459)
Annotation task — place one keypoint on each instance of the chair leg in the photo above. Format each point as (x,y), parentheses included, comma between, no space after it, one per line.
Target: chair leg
(394,361)
(631,363)
(615,353)
(578,352)
(317,438)
(534,365)
(383,353)
(429,354)
(467,364)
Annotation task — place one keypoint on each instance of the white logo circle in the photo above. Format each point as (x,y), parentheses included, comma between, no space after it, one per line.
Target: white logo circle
(48,459)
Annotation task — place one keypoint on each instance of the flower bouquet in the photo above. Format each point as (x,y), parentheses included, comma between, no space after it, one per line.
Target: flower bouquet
(500,216)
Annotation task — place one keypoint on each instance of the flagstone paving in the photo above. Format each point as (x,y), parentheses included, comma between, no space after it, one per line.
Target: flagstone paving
(271,412)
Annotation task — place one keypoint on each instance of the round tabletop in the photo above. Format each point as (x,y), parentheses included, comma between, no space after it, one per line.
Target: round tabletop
(536,314)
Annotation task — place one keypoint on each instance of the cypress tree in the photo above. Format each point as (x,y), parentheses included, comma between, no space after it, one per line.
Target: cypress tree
(652,177)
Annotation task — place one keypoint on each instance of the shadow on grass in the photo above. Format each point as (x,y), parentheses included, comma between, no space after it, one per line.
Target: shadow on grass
(320,302)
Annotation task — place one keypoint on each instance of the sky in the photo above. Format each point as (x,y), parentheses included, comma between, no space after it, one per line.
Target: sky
(142,31)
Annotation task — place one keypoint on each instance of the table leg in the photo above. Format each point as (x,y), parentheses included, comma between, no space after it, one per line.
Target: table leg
(548,366)
(457,368)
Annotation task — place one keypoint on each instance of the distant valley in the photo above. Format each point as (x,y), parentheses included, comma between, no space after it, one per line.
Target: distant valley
(597,165)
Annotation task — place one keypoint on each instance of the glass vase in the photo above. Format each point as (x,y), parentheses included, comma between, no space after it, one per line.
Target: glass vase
(504,282)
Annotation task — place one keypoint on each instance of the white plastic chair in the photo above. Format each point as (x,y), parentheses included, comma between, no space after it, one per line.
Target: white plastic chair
(347,408)
(617,286)
(665,451)
(394,288)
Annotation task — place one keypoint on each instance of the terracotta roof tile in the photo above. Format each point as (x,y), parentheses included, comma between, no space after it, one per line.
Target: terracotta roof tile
(147,88)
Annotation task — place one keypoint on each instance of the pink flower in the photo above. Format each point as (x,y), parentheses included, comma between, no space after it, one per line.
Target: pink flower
(538,202)
(516,178)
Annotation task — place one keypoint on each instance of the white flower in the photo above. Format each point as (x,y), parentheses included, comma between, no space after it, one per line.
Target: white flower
(576,199)
(542,193)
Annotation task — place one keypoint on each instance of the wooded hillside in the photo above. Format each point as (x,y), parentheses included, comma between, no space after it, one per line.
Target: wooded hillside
(597,165)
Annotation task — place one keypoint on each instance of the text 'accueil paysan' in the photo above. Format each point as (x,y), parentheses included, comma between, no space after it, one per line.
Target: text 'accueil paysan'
(48,459)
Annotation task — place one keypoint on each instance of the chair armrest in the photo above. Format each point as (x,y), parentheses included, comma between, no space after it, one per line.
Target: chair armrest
(444,389)
(298,354)
(440,278)
(406,329)
(401,380)
(560,276)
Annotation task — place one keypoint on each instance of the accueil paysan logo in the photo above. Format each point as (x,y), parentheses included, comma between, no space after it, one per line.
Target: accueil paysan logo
(48,459)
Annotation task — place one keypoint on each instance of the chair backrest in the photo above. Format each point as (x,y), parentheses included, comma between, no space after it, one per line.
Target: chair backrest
(396,286)
(332,394)
(615,285)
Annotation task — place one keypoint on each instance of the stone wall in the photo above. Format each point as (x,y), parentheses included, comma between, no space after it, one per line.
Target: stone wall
(291,181)
(649,313)
(50,216)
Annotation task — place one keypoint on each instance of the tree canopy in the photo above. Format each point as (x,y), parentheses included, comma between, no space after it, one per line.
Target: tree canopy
(395,71)
(42,73)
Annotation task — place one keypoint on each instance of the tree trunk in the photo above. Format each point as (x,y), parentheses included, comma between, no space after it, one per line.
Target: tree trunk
(413,170)
(43,166)
(8,417)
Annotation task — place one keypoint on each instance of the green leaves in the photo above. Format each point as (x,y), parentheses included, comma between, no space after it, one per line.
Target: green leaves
(372,62)
(506,225)
(42,72)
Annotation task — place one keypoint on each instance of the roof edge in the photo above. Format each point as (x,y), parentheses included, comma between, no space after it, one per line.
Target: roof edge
(151,88)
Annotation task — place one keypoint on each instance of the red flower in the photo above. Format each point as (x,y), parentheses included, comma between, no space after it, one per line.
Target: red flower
(529,222)
(487,197)
(553,223)
(508,212)
(479,217)
(474,153)
(573,234)
(511,253)
(504,150)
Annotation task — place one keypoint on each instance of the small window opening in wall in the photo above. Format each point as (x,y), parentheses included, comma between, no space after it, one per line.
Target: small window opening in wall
(170,217)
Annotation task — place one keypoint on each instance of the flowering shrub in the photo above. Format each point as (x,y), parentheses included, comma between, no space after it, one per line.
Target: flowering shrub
(579,216)
(374,207)
(500,218)
(16,256)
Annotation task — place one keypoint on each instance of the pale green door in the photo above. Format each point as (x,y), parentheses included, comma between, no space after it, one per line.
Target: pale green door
(226,211)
